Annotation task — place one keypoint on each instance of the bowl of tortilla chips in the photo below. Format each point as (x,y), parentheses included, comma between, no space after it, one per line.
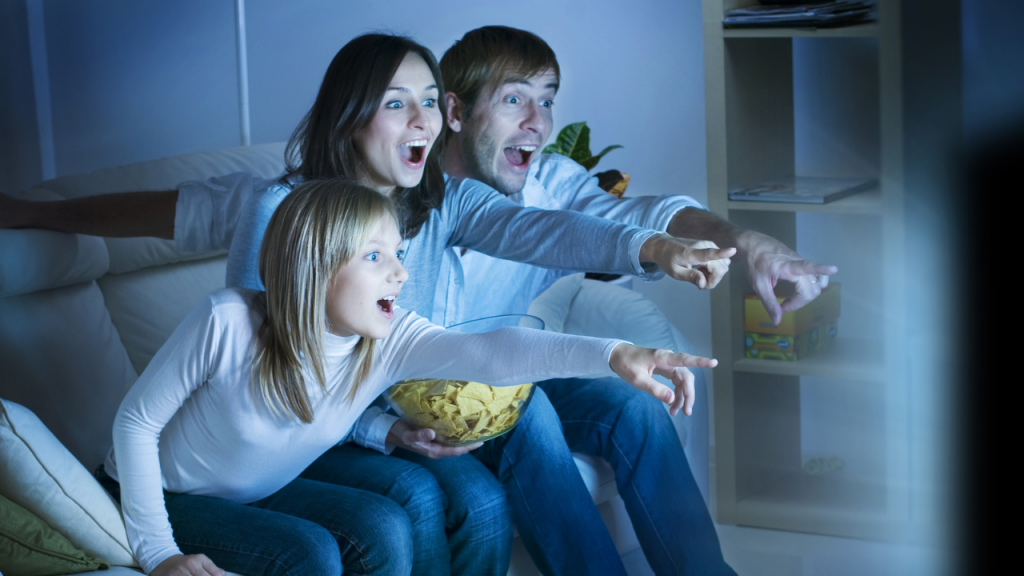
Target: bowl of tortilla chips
(462,412)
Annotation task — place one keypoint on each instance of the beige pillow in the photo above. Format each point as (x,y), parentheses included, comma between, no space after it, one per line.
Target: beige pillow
(40,475)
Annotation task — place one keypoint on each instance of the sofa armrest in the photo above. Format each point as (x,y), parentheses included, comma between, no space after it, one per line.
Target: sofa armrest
(609,311)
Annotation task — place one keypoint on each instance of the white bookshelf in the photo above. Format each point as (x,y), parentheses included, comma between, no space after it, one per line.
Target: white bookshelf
(750,139)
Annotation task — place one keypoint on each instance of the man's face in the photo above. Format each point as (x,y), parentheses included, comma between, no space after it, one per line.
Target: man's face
(505,130)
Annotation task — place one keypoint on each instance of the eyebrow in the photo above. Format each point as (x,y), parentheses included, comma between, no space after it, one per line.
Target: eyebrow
(406,90)
(526,82)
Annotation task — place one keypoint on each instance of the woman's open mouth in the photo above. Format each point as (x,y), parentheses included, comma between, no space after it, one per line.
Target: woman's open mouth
(519,156)
(413,153)
(386,305)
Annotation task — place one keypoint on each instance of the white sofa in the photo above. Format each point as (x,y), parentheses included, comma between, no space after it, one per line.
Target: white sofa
(81,316)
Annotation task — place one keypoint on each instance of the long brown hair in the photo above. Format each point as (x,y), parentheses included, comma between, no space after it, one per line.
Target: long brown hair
(318,228)
(355,83)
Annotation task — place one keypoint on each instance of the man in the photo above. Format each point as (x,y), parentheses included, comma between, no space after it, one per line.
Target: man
(500,85)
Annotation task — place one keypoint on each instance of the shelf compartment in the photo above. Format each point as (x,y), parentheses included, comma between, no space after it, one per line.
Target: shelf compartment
(829,504)
(866,30)
(846,358)
(866,202)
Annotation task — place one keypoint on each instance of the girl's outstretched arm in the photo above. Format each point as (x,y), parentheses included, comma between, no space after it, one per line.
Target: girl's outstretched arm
(508,356)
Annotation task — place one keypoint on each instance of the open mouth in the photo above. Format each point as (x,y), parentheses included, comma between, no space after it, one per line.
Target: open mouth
(386,305)
(519,156)
(413,152)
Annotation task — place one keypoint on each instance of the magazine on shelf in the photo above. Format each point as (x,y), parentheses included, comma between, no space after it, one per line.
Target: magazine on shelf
(803,190)
(809,15)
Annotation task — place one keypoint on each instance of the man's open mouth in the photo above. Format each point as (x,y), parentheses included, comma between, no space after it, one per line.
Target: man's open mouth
(519,156)
(413,152)
(387,305)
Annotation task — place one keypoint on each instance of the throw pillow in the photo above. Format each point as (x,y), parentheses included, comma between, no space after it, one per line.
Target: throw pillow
(29,547)
(40,475)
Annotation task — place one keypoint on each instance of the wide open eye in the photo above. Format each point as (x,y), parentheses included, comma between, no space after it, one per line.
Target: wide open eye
(401,255)
(512,99)
(373,256)
(394,104)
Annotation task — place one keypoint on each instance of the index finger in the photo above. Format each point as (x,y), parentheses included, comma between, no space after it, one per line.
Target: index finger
(795,268)
(437,451)
(677,359)
(704,255)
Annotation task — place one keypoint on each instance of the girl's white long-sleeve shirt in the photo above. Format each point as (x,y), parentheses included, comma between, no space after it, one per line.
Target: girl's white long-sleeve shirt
(192,423)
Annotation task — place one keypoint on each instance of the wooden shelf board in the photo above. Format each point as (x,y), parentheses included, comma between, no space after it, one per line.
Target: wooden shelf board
(846,358)
(856,31)
(867,202)
(829,504)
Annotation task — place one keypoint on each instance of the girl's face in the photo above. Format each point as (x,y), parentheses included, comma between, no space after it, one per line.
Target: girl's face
(395,145)
(361,299)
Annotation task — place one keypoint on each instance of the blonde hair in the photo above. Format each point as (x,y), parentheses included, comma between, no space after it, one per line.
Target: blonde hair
(315,231)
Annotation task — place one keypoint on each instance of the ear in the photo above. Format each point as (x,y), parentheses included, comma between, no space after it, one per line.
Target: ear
(455,111)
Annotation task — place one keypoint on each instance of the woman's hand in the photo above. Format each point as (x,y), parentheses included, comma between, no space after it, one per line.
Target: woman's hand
(191,565)
(638,365)
(700,262)
(421,441)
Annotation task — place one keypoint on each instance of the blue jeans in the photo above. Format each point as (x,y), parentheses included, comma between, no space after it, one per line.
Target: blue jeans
(456,497)
(306,528)
(557,520)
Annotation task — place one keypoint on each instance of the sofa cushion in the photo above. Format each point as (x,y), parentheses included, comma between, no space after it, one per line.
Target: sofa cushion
(61,357)
(552,305)
(129,254)
(40,475)
(147,305)
(29,547)
(33,260)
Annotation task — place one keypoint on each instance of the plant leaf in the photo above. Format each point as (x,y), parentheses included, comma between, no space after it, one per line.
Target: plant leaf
(580,151)
(552,149)
(569,139)
(593,160)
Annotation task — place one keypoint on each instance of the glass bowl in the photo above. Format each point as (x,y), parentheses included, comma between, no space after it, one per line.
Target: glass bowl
(462,412)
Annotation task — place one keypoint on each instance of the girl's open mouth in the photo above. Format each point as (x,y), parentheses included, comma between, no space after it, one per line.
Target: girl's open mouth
(519,156)
(413,152)
(386,306)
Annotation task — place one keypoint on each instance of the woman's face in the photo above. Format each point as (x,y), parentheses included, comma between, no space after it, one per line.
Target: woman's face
(362,296)
(395,145)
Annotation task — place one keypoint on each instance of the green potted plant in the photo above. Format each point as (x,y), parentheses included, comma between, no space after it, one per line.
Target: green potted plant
(574,142)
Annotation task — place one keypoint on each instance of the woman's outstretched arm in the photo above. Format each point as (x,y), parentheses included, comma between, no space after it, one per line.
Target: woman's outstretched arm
(122,215)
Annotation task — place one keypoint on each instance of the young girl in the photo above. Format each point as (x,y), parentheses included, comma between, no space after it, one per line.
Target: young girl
(252,387)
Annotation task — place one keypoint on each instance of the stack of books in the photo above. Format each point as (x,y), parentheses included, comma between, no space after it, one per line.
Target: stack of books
(810,15)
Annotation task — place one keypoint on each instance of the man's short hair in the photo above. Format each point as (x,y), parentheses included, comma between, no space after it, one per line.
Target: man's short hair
(492,56)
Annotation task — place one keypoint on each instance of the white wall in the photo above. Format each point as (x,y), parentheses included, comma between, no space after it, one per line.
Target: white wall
(131,81)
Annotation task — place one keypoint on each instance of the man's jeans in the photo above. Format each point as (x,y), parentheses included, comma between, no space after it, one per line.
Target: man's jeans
(307,527)
(557,520)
